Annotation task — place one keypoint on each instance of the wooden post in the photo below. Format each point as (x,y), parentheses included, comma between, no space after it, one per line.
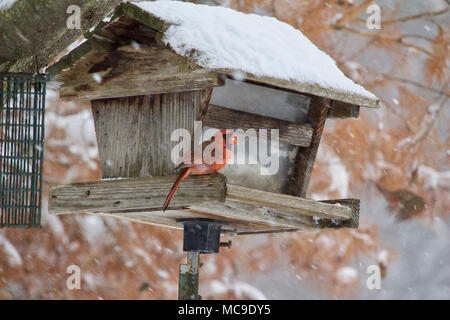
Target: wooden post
(340,110)
(304,163)
(188,278)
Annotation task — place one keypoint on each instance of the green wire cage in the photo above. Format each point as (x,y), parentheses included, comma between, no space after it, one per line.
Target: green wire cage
(22,110)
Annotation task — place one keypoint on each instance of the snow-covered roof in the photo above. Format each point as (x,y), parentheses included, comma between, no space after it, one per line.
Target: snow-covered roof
(252,47)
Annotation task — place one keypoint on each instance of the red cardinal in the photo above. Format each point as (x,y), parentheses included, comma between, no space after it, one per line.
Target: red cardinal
(224,139)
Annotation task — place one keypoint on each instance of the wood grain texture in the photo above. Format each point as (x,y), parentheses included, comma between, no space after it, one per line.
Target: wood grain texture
(353,204)
(134,133)
(287,203)
(79,60)
(134,194)
(243,209)
(105,38)
(36,28)
(123,30)
(128,71)
(168,219)
(340,110)
(304,163)
(251,215)
(310,88)
(225,118)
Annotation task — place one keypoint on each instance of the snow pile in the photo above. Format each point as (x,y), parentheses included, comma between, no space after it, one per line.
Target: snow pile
(223,38)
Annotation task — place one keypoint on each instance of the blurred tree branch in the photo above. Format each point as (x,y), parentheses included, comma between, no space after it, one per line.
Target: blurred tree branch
(353,14)
(416,84)
(427,123)
(417,16)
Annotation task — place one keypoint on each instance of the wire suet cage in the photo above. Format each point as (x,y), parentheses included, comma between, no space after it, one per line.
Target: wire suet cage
(22,111)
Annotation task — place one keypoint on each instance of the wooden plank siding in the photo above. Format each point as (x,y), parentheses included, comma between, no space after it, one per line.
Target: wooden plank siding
(133,133)
(289,132)
(128,71)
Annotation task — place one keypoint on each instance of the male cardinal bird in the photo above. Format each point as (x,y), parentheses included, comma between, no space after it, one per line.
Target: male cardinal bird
(223,139)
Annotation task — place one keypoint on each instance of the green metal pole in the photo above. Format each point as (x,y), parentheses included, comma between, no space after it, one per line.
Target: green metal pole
(188,281)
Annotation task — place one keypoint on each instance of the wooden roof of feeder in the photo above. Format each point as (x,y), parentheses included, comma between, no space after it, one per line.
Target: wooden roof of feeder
(159,55)
(169,21)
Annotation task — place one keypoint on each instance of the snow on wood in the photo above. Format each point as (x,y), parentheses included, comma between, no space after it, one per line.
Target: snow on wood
(264,47)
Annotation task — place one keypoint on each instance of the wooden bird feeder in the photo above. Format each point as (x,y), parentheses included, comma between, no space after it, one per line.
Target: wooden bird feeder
(140,90)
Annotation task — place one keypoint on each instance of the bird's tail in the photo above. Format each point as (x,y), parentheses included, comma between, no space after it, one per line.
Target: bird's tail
(183,175)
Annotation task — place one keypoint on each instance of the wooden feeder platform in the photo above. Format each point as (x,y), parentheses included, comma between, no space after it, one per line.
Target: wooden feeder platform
(245,210)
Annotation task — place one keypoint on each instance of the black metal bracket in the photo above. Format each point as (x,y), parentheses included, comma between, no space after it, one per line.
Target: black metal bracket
(199,236)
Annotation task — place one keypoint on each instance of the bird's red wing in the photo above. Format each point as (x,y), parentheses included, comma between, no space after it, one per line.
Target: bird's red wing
(187,167)
(189,161)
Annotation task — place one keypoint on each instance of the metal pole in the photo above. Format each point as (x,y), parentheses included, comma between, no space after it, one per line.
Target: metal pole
(188,281)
